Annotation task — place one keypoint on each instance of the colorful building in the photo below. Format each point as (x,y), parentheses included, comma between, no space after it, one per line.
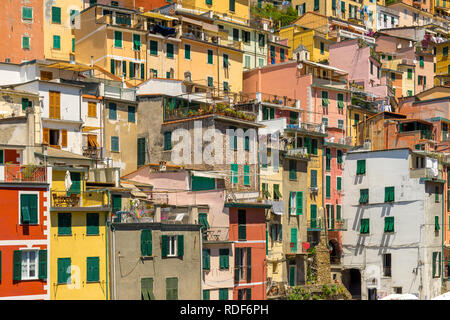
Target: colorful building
(25,237)
(248,232)
(79,268)
(442,63)
(278,51)
(233,11)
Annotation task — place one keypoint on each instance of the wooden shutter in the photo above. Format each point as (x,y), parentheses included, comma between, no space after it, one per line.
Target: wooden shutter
(249,264)
(434,264)
(299,203)
(92,224)
(236,264)
(42,264)
(294,239)
(143,71)
(146,242)
(33,208)
(57,105)
(180,245)
(92,264)
(17,265)
(249,294)
(131,69)
(25,216)
(113,66)
(64,138)
(246,175)
(328,186)
(140,151)
(292,276)
(164,246)
(206,259)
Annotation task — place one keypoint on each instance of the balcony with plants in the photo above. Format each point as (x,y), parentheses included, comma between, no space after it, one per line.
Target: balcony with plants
(17,173)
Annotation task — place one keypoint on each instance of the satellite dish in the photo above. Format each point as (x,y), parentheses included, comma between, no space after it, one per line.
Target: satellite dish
(300,66)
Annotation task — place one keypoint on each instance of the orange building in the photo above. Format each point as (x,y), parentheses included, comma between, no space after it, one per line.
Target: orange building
(248,233)
(22,31)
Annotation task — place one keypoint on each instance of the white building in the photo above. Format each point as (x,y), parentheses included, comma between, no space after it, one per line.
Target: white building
(393,245)
(387,18)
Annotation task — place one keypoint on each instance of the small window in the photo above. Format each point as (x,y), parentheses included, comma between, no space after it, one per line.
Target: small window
(388,224)
(117,39)
(131,114)
(154,47)
(25,42)
(29,264)
(112,111)
(170,50)
(210,55)
(387,265)
(364,226)
(115,144)
(64,270)
(56,15)
(210,82)
(168,140)
(187,51)
(93,269)
(27,13)
(364,196)
(389,194)
(92,224)
(361,167)
(57,42)
(171,288)
(64,224)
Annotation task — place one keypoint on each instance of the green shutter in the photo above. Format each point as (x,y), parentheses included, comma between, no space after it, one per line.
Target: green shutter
(338,212)
(187,51)
(247,143)
(325,101)
(361,167)
(131,114)
(249,294)
(63,273)
(169,50)
(272,113)
(56,15)
(389,194)
(313,216)
(136,42)
(118,39)
(316,5)
(339,152)
(168,140)
(389,224)
(180,245)
(328,159)
(232,5)
(223,294)
(434,264)
(113,66)
(132,75)
(206,259)
(24,209)
(299,203)
(294,239)
(140,151)
(164,246)
(234,172)
(172,288)
(76,183)
(146,242)
(328,186)
(206,295)
(364,196)
(313,178)
(292,170)
(436,223)
(409,73)
(265,113)
(64,224)
(203,183)
(249,264)
(26,42)
(314,146)
(339,183)
(143,71)
(246,175)
(17,265)
(364,226)
(224,258)
(92,224)
(236,264)
(154,47)
(56,42)
(93,272)
(210,57)
(147,289)
(291,276)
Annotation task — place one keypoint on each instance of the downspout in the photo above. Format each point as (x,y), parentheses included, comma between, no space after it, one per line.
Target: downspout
(442,243)
(201,262)
(113,282)
(106,249)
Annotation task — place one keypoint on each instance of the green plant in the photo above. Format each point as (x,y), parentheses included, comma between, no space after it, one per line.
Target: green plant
(315,297)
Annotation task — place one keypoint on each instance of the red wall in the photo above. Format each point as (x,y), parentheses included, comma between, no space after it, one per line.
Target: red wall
(255,230)
(12,230)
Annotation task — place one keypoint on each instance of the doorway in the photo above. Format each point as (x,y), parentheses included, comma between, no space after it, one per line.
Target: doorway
(372,293)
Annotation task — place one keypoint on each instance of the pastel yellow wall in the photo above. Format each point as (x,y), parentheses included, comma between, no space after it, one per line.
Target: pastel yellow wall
(309,39)
(271,177)
(78,247)
(352,128)
(442,62)
(241,11)
(161,62)
(64,29)
(316,163)
(200,69)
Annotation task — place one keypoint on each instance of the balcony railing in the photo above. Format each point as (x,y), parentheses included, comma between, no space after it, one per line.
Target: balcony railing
(23,173)
(329,82)
(91,198)
(298,152)
(445,136)
(315,224)
(120,93)
(217,234)
(93,153)
(337,225)
(280,100)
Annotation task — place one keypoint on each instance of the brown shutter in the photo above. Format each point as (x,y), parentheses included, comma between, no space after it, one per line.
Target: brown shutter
(58,105)
(64,138)
(46,136)
(51,104)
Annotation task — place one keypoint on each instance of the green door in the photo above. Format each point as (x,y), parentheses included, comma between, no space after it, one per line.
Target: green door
(313,216)
(292,276)
(116,202)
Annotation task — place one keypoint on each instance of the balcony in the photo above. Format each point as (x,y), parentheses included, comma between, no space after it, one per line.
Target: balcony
(16,173)
(337,225)
(92,198)
(298,153)
(319,81)
(120,93)
(315,224)
(93,153)
(154,28)
(216,234)
(306,126)
(278,100)
(426,173)
(445,136)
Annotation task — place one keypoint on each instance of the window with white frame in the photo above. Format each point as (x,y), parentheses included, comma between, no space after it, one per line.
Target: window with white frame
(29,264)
(172,240)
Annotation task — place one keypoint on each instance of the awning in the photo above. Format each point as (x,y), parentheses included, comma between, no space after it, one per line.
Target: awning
(278,207)
(68,66)
(206,174)
(92,140)
(89,129)
(157,15)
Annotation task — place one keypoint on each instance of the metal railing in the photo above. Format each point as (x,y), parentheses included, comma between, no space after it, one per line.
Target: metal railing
(93,153)
(315,224)
(216,234)
(120,93)
(445,136)
(77,199)
(23,173)
(329,82)
(280,100)
(337,225)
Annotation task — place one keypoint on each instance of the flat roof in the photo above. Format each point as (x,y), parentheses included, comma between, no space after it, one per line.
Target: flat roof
(247,205)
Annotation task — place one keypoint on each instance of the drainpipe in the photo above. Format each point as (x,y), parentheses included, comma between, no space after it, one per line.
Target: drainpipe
(113,282)
(106,251)
(201,262)
(441,263)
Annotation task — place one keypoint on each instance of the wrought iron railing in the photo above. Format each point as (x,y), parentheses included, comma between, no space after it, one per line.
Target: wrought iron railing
(216,234)
(23,173)
(90,198)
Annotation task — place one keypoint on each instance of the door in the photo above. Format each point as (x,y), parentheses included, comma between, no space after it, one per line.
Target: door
(292,276)
(313,216)
(372,293)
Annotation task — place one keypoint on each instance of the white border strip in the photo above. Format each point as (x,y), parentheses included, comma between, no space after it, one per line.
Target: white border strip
(32,297)
(249,284)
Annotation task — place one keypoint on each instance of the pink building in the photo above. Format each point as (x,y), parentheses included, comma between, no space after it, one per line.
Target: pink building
(319,92)
(362,63)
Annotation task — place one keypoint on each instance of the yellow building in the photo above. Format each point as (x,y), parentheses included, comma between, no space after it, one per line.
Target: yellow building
(115,40)
(315,41)
(344,10)
(355,115)
(78,243)
(442,63)
(206,61)
(59,24)
(232,10)
(441,8)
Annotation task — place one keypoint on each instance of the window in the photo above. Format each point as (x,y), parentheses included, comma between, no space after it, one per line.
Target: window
(232,5)
(246,175)
(64,270)
(206,257)
(64,224)
(25,42)
(226,64)
(242,221)
(445,51)
(292,170)
(322,48)
(112,111)
(276,232)
(136,42)
(361,167)
(171,288)
(389,224)
(293,243)
(409,74)
(239,264)
(210,57)
(56,42)
(56,15)
(141,151)
(316,5)
(209,2)
(338,183)
(27,13)
(371,67)
(436,271)
(364,226)
(421,62)
(436,223)
(328,186)
(168,140)
(206,295)
(387,265)
(226,88)
(92,109)
(92,269)
(235,34)
(147,289)
(313,179)
(437,194)
(409,93)
(234,173)
(187,51)
(261,40)
(389,194)
(170,50)
(92,224)
(276,192)
(364,196)
(210,82)
(325,101)
(115,144)
(340,125)
(117,39)
(29,209)
(224,259)
(247,62)
(154,47)
(265,190)
(29,264)
(327,158)
(203,221)
(223,294)
(131,114)
(314,146)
